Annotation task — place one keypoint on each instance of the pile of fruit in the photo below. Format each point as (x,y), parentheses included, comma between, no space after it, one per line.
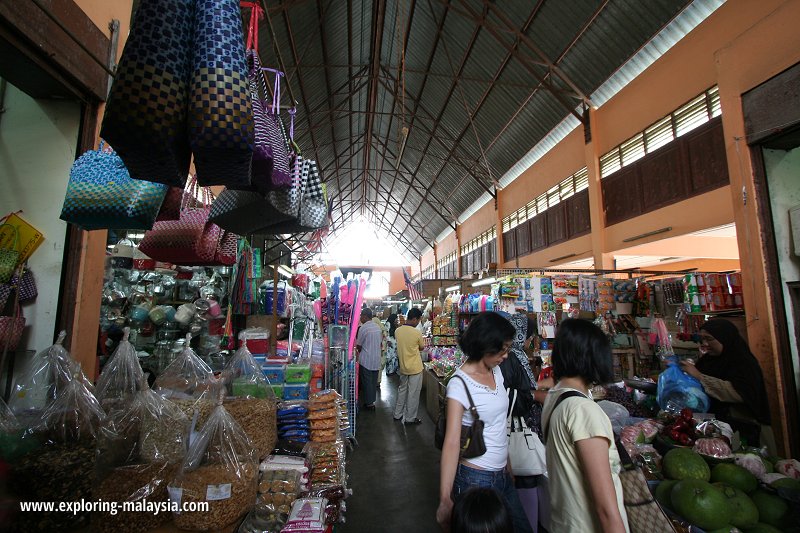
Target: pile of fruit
(725,496)
(681,430)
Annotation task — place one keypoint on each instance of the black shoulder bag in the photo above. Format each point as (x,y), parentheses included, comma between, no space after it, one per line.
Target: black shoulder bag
(561,398)
(472,444)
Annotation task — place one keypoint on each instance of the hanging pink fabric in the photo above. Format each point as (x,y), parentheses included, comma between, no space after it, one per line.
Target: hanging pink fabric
(354,323)
(256,14)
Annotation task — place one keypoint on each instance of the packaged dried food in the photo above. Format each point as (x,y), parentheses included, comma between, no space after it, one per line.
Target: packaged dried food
(121,376)
(220,468)
(307,516)
(187,376)
(47,373)
(264,518)
(256,416)
(61,469)
(243,375)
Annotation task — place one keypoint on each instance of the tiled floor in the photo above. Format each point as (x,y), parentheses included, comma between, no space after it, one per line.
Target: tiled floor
(394,471)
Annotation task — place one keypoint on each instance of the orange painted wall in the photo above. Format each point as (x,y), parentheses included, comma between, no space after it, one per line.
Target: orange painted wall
(564,160)
(428,259)
(448,245)
(484,219)
(582,247)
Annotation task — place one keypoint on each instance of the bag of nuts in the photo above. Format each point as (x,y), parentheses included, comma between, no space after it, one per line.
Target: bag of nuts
(139,451)
(220,468)
(121,376)
(47,373)
(61,469)
(187,376)
(243,376)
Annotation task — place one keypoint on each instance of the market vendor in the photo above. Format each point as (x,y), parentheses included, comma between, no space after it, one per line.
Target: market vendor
(732,378)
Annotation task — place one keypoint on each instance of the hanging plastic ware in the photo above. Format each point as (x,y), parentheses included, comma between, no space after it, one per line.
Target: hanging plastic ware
(243,375)
(221,470)
(48,372)
(677,389)
(146,114)
(220,111)
(121,376)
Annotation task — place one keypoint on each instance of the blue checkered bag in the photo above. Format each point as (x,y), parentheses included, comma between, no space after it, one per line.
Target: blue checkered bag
(146,114)
(102,195)
(220,111)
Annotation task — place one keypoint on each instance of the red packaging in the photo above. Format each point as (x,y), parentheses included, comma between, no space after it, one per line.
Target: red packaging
(738,300)
(258,345)
(729,301)
(216,326)
(716,301)
(144,264)
(735,280)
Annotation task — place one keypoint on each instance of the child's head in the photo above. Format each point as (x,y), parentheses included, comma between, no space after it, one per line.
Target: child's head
(582,350)
(481,510)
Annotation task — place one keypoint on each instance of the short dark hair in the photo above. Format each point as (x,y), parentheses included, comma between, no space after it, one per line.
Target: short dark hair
(481,509)
(367,312)
(581,349)
(486,334)
(413,313)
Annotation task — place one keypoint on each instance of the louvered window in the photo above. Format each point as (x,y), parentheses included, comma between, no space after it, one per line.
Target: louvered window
(713,102)
(581,180)
(659,134)
(610,163)
(632,150)
(692,115)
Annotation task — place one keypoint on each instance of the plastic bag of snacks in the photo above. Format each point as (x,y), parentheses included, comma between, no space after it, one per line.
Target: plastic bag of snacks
(307,516)
(256,417)
(293,424)
(61,469)
(243,375)
(189,383)
(139,450)
(12,445)
(279,488)
(263,519)
(46,375)
(220,468)
(324,415)
(120,377)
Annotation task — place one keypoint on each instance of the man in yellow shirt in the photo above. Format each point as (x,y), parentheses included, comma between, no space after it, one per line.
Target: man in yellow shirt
(409,344)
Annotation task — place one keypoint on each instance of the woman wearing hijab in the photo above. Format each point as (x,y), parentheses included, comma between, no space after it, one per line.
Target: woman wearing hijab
(732,378)
(392,363)
(518,377)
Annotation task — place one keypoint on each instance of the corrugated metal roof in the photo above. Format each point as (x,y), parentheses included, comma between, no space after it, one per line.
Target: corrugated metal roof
(484,91)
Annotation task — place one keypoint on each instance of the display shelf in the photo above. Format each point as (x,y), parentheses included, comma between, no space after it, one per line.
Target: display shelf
(721,312)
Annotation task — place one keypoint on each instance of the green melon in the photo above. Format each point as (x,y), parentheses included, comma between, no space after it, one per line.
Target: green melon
(786,483)
(701,503)
(762,528)
(683,463)
(723,529)
(772,510)
(744,512)
(735,476)
(663,492)
(768,465)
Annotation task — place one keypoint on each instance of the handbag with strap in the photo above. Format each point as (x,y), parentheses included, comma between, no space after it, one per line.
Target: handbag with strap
(220,111)
(171,206)
(472,443)
(11,327)
(9,256)
(308,199)
(102,195)
(146,114)
(190,240)
(645,514)
(525,451)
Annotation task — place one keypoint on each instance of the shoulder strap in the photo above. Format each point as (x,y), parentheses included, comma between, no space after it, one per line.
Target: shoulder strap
(472,408)
(561,398)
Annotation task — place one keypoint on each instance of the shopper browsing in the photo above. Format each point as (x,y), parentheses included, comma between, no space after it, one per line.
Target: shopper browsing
(409,344)
(481,510)
(582,461)
(368,342)
(486,343)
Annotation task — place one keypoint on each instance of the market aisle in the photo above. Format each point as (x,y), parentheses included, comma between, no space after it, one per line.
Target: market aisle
(394,471)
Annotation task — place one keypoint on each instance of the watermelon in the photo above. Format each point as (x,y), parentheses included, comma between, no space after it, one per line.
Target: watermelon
(772,510)
(683,463)
(735,476)
(701,503)
(744,512)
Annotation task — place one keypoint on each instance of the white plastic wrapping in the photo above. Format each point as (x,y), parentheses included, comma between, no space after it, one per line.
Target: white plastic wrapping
(187,376)
(243,376)
(121,375)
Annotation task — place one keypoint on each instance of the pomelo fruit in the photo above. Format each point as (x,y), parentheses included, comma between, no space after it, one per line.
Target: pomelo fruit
(744,512)
(762,528)
(683,463)
(768,465)
(735,476)
(663,491)
(723,529)
(772,510)
(786,483)
(701,503)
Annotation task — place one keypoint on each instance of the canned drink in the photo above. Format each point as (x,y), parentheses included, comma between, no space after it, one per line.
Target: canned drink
(696,304)
(738,301)
(735,279)
(728,298)
(703,301)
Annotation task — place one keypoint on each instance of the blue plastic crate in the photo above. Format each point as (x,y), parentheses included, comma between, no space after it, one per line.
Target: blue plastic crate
(276,374)
(295,392)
